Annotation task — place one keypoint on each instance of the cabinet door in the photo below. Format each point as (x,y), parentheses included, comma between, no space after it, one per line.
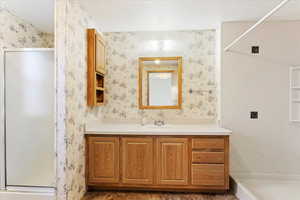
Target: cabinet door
(103,159)
(137,160)
(172,157)
(100,54)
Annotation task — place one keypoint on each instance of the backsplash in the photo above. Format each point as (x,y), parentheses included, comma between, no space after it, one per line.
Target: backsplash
(199,81)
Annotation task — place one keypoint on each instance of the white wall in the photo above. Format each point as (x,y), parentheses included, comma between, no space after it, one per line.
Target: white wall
(269,145)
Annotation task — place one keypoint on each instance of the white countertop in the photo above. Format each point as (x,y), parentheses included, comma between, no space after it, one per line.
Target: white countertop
(169,129)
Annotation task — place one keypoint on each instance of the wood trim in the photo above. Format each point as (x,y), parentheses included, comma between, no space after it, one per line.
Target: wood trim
(87,163)
(227,162)
(159,58)
(93,38)
(190,160)
(91,57)
(196,189)
(160,71)
(180,82)
(160,107)
(155,152)
(140,82)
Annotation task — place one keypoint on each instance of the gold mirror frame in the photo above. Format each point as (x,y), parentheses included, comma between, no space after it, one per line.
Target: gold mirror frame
(140,82)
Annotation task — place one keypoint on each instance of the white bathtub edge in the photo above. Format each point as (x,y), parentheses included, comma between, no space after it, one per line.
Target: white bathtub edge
(241,192)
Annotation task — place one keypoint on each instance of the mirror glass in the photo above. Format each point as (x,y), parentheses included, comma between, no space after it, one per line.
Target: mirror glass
(160,83)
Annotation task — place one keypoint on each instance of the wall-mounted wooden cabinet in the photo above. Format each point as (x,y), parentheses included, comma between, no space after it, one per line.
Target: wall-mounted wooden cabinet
(96,68)
(165,163)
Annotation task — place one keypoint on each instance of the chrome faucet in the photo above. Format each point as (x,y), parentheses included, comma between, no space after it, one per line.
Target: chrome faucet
(159,123)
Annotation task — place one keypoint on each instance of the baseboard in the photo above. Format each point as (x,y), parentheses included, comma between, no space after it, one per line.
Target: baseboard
(10,195)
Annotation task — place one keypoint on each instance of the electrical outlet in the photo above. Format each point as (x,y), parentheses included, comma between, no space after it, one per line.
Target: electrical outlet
(255,49)
(253,115)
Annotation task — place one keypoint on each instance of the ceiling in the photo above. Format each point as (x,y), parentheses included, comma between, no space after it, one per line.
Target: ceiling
(140,15)
(40,13)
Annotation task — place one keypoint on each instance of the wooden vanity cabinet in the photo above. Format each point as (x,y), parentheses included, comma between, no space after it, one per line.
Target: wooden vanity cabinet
(163,163)
(172,161)
(137,160)
(103,159)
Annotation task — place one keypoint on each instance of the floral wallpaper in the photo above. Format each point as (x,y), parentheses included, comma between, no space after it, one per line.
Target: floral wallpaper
(76,106)
(60,59)
(123,50)
(72,111)
(199,81)
(17,33)
(48,39)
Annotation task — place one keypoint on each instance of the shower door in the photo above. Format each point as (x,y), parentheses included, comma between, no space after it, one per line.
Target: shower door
(29,118)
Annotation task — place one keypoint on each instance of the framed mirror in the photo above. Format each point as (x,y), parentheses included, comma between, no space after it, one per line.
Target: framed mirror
(160,82)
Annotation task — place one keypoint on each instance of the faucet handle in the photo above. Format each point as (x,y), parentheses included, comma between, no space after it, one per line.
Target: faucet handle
(159,123)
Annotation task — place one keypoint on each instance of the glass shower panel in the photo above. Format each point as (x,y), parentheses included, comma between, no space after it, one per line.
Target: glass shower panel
(29,115)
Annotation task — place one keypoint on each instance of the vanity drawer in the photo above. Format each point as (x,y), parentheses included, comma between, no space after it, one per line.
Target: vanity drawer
(208,157)
(208,174)
(208,143)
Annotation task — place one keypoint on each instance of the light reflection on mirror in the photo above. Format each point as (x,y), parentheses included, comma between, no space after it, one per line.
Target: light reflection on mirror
(160,89)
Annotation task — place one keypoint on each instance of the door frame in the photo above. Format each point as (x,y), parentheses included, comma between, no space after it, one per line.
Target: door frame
(3,185)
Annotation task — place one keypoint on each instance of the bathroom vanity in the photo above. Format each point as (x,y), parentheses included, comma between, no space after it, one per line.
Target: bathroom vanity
(170,158)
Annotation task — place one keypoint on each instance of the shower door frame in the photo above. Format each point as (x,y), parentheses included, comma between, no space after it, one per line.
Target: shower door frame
(3,185)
